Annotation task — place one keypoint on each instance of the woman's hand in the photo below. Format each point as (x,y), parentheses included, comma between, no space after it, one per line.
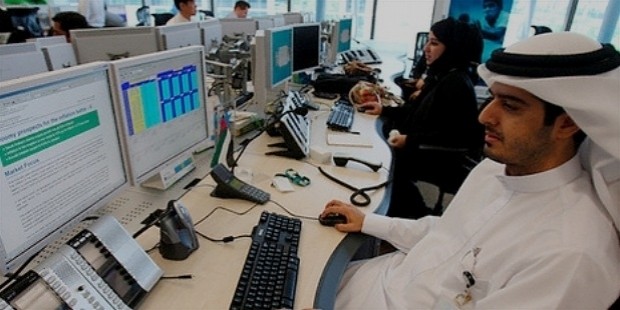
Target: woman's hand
(397,140)
(371,107)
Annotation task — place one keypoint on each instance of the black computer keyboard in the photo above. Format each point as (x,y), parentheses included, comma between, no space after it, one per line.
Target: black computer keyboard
(366,56)
(269,276)
(341,116)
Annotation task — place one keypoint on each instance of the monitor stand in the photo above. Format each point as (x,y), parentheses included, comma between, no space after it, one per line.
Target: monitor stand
(171,173)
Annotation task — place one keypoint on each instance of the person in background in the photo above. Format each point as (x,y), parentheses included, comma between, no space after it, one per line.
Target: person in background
(113,19)
(93,11)
(443,114)
(530,228)
(186,9)
(144,16)
(240,10)
(64,22)
(493,26)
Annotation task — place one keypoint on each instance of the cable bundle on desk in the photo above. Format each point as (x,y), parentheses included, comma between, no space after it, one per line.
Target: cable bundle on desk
(357,192)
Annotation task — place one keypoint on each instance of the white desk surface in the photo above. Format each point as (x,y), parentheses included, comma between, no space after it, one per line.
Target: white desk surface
(216,266)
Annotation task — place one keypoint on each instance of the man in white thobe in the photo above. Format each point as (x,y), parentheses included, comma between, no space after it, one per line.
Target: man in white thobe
(530,228)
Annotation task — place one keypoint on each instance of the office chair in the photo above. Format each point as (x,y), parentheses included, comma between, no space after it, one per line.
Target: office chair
(206,14)
(446,168)
(162,18)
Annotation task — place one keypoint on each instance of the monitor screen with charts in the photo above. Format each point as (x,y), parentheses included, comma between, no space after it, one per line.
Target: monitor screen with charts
(160,99)
(179,35)
(60,157)
(113,43)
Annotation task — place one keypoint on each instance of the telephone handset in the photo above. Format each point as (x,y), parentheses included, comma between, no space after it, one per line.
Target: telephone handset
(177,235)
(229,186)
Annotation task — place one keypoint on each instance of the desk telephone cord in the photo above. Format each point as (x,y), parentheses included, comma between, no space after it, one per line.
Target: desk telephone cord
(363,199)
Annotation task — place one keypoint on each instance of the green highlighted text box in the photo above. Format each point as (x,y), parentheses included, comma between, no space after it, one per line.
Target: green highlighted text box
(39,141)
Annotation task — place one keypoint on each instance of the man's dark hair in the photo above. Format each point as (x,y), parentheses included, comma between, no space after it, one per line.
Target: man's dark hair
(177,3)
(70,20)
(242,4)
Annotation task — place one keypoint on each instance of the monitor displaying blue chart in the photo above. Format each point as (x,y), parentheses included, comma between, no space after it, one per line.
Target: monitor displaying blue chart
(161,104)
(281,49)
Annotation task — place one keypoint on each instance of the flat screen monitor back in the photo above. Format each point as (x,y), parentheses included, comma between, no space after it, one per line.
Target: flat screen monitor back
(235,26)
(72,164)
(160,98)
(113,43)
(339,40)
(293,18)
(21,65)
(211,33)
(306,46)
(264,23)
(179,35)
(47,41)
(17,48)
(59,56)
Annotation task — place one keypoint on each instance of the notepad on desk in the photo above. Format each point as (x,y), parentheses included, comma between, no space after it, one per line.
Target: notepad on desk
(348,139)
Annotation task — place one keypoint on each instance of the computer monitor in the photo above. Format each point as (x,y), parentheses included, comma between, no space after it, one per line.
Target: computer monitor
(235,26)
(59,56)
(272,65)
(47,41)
(17,48)
(60,157)
(178,35)
(14,66)
(306,46)
(161,103)
(113,43)
(278,20)
(211,33)
(264,23)
(340,39)
(293,18)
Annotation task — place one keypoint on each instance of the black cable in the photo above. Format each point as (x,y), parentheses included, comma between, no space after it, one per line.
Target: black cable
(183,276)
(12,276)
(226,239)
(364,199)
(293,214)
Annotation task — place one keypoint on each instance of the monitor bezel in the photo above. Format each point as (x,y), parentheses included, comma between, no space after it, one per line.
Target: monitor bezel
(187,33)
(124,38)
(318,56)
(137,179)
(41,80)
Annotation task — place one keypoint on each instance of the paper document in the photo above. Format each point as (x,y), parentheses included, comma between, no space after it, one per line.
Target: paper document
(348,139)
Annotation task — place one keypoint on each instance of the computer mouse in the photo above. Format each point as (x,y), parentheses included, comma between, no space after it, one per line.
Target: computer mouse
(332,219)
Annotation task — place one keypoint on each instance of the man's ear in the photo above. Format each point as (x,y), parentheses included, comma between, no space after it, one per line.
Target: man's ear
(565,126)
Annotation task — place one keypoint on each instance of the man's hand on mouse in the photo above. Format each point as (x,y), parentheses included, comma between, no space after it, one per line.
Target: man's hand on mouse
(355,217)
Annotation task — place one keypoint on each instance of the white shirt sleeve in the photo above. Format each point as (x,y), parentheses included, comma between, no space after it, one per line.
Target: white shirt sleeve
(401,233)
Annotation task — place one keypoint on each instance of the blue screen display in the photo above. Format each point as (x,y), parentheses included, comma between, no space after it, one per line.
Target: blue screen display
(344,35)
(281,55)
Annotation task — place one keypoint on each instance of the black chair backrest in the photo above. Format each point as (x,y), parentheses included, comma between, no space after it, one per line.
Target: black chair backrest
(162,18)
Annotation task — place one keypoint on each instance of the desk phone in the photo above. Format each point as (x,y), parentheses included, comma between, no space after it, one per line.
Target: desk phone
(102,267)
(229,186)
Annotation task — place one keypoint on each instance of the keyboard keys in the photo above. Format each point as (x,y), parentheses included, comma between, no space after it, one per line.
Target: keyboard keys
(269,276)
(341,117)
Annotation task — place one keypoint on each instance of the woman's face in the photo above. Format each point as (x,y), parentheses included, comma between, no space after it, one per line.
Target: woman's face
(433,49)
